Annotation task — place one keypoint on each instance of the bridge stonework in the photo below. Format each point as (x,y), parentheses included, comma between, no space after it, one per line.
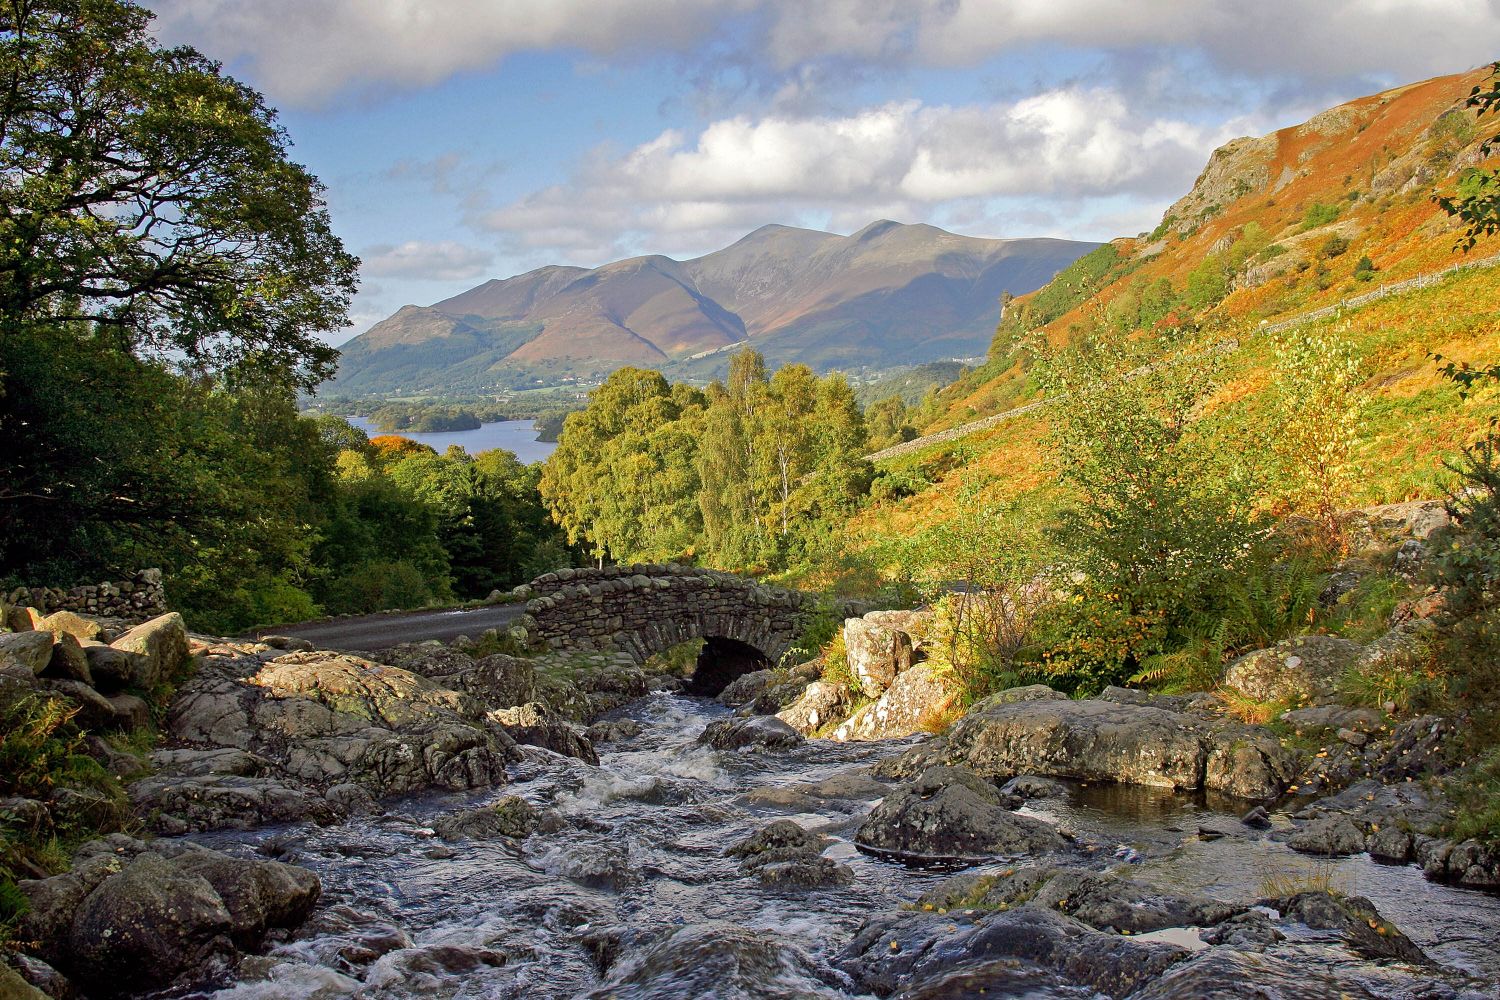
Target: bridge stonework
(644,609)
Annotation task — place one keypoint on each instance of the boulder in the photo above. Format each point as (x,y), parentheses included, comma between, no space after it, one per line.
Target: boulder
(509,816)
(783,853)
(163,642)
(1107,741)
(951,812)
(61,623)
(113,669)
(30,649)
(1302,669)
(613,731)
(894,950)
(126,919)
(68,661)
(535,724)
(757,731)
(876,653)
(915,699)
(821,702)
(501,681)
(715,960)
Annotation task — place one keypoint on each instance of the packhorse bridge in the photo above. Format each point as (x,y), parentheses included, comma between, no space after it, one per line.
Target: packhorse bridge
(642,610)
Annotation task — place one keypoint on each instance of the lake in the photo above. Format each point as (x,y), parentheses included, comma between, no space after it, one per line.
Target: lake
(516,436)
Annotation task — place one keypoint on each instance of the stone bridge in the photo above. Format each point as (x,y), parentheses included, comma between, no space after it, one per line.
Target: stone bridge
(645,609)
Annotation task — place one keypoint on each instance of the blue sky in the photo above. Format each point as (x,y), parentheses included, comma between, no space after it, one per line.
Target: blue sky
(467,139)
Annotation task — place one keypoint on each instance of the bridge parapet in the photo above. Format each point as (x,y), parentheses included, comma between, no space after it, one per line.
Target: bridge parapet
(646,608)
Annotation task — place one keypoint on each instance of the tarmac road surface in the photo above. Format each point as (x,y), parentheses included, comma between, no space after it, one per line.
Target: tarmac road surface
(386,629)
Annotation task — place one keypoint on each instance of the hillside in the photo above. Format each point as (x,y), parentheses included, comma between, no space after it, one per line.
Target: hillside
(1275,226)
(887,295)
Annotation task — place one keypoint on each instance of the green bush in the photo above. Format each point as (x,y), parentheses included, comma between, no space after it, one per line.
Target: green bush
(1319,214)
(1334,246)
(377,585)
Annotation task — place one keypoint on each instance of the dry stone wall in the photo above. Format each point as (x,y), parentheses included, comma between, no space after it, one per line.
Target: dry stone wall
(135,599)
(644,609)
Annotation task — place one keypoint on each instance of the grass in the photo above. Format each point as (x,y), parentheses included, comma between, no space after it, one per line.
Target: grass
(1320,877)
(1475,791)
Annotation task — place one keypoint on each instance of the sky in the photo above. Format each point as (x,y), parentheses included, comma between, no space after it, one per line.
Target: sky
(462,140)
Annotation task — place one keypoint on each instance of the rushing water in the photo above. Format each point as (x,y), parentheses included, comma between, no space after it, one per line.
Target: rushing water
(517,436)
(643,852)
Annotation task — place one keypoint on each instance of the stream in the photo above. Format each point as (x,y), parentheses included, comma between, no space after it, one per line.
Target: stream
(407,914)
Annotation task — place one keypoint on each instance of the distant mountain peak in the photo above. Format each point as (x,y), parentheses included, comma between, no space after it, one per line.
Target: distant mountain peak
(887,295)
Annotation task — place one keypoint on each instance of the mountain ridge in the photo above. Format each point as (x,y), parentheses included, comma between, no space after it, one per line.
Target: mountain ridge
(888,294)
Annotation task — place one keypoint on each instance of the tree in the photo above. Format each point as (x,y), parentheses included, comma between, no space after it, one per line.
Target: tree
(1476,203)
(1317,399)
(1161,511)
(149,203)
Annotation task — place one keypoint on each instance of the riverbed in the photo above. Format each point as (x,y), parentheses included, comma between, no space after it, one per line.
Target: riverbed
(516,436)
(640,852)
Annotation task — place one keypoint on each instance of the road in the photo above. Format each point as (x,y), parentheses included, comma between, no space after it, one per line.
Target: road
(383,630)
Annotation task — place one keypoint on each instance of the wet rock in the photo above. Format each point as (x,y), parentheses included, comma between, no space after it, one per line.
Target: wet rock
(535,724)
(163,642)
(899,950)
(38,975)
(1306,668)
(1224,974)
(14,987)
(1102,900)
(447,960)
(1364,930)
(952,812)
(1031,786)
(820,703)
(1107,741)
(714,960)
(916,698)
(611,686)
(613,731)
(1257,818)
(259,895)
(1248,931)
(757,731)
(748,687)
(509,816)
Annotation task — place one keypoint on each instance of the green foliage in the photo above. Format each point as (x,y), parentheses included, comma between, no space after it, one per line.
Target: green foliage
(150,205)
(1208,283)
(1163,511)
(1364,269)
(747,475)
(1475,791)
(1317,400)
(1319,214)
(1476,203)
(1073,285)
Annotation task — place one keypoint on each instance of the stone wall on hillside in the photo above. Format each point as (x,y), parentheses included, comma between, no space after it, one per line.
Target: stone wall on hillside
(136,598)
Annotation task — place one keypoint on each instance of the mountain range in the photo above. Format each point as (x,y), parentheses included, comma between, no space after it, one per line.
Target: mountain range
(888,295)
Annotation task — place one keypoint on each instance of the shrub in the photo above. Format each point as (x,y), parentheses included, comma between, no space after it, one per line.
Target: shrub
(1334,246)
(1364,269)
(376,585)
(1319,214)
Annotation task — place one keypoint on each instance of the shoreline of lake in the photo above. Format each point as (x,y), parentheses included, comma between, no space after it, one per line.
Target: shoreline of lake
(516,436)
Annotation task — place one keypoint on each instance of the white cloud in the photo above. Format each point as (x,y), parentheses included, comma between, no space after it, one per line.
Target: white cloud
(442,261)
(683,192)
(305,51)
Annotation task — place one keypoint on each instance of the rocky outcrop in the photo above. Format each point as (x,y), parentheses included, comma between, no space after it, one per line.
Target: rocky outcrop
(537,725)
(1397,823)
(1299,670)
(341,728)
(916,698)
(129,917)
(161,646)
(950,812)
(715,960)
(1108,741)
(509,816)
